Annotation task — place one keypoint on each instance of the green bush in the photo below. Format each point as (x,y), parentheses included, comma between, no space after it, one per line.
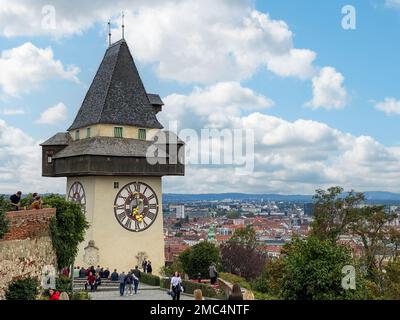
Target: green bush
(263,296)
(67,229)
(4,224)
(150,279)
(198,258)
(80,295)
(23,289)
(190,286)
(232,278)
(63,283)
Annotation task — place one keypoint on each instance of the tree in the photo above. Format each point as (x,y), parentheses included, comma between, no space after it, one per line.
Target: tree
(313,270)
(334,212)
(380,239)
(233,215)
(23,289)
(4,223)
(198,258)
(243,260)
(67,229)
(140,257)
(245,236)
(270,280)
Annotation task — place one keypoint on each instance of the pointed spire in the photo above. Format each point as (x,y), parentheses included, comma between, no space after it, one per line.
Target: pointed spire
(109,33)
(123,25)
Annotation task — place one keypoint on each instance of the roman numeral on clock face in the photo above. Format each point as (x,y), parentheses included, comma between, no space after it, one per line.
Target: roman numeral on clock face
(128,223)
(121,216)
(132,207)
(151,215)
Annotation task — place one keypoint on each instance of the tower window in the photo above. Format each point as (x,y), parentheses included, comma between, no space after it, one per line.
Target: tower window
(77,135)
(88,133)
(118,132)
(116,185)
(49,155)
(142,134)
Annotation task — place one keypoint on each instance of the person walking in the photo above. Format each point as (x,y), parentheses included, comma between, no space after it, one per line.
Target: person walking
(236,293)
(136,279)
(129,283)
(176,286)
(213,273)
(122,277)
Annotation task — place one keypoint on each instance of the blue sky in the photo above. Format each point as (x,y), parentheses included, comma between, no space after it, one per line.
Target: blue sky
(366,58)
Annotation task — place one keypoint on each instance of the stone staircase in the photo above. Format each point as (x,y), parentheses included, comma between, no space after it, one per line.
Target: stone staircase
(107,285)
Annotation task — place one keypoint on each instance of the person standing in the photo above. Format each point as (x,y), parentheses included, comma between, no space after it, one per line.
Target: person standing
(114,275)
(122,277)
(106,273)
(149,269)
(37,204)
(82,273)
(16,200)
(176,286)
(213,273)
(32,199)
(137,275)
(76,272)
(144,265)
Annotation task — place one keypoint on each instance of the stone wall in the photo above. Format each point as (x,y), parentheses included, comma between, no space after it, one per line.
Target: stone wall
(27,247)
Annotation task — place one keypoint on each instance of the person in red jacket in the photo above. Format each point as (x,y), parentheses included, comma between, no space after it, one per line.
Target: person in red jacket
(91,280)
(54,295)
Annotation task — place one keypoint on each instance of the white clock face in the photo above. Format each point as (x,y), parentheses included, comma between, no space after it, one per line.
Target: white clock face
(77,194)
(136,206)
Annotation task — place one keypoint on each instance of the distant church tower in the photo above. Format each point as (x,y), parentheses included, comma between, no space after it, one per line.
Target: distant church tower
(105,157)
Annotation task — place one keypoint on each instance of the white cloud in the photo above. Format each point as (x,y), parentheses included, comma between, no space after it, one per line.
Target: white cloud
(23,69)
(328,90)
(12,111)
(297,63)
(393,4)
(187,41)
(20,163)
(290,156)
(53,115)
(213,106)
(389,106)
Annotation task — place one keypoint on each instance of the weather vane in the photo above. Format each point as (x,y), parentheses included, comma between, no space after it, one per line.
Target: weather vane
(123,25)
(109,33)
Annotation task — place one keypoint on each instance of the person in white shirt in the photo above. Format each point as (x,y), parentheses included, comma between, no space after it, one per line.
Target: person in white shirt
(176,286)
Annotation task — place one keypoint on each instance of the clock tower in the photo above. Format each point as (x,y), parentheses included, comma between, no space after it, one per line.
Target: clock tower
(114,156)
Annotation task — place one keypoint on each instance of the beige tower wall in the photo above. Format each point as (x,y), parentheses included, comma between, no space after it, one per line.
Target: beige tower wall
(118,246)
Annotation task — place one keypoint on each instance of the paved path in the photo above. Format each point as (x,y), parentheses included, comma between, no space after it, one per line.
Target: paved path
(145,292)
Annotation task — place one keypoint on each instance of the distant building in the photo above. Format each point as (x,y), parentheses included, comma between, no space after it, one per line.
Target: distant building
(224,207)
(238,222)
(309,209)
(179,211)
